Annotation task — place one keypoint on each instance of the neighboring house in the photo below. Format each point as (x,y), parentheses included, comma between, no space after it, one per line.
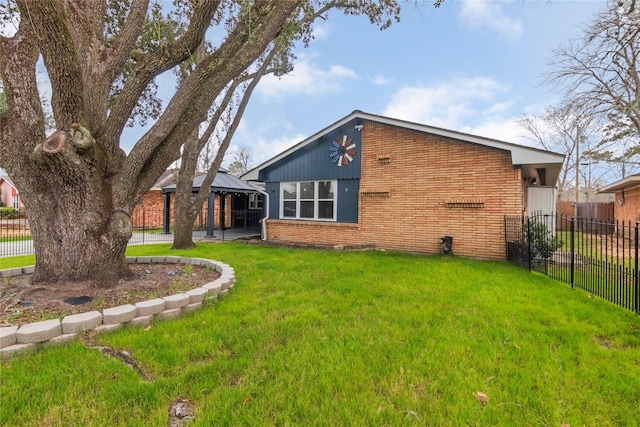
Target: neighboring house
(627,193)
(10,195)
(149,211)
(393,184)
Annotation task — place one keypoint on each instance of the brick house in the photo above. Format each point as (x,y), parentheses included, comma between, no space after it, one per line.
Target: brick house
(10,196)
(627,204)
(149,211)
(393,184)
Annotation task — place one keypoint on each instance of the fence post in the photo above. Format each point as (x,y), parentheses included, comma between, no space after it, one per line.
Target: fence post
(637,276)
(529,242)
(572,251)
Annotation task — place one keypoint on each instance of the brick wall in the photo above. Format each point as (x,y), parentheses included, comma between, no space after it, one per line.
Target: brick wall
(151,208)
(630,210)
(416,188)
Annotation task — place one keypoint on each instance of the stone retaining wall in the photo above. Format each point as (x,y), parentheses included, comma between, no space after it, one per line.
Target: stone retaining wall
(15,340)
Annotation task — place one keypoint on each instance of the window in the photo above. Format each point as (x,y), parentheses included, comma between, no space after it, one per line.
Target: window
(16,202)
(308,200)
(255,201)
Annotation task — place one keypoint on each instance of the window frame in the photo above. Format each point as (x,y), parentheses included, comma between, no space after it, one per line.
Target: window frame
(316,201)
(255,201)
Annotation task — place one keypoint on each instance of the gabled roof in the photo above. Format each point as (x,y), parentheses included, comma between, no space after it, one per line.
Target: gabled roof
(623,184)
(168,177)
(520,155)
(223,181)
(6,179)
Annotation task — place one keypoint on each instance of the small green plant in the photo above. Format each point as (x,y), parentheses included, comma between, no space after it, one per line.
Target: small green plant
(188,269)
(539,239)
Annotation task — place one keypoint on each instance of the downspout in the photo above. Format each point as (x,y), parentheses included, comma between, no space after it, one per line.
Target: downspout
(264,220)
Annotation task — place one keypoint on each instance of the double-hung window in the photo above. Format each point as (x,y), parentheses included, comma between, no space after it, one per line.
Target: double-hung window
(314,200)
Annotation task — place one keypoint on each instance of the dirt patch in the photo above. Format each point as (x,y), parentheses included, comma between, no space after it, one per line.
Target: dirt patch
(21,302)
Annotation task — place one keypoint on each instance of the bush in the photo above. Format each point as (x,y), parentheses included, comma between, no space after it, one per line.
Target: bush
(8,213)
(540,239)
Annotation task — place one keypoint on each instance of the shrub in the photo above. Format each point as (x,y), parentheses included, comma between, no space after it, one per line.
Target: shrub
(8,213)
(540,239)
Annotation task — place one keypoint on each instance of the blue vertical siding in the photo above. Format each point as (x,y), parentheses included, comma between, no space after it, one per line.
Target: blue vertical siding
(313,162)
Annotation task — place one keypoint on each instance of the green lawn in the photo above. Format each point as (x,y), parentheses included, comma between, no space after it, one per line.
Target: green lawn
(328,338)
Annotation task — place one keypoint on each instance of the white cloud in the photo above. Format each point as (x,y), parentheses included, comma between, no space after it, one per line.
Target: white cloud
(254,137)
(9,29)
(307,78)
(380,80)
(487,14)
(449,104)
(503,130)
(478,106)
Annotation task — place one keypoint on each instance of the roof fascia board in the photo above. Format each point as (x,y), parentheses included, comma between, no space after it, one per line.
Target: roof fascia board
(623,184)
(520,155)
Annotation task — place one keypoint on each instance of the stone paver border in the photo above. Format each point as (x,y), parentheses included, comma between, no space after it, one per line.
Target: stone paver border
(17,340)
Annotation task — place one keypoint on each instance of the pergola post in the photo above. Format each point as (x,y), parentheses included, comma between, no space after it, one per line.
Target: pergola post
(166,213)
(210,214)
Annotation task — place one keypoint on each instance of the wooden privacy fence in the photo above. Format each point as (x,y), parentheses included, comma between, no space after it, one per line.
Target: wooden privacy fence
(590,210)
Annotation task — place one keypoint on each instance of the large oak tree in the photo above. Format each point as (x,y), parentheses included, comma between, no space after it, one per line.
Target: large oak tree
(78,186)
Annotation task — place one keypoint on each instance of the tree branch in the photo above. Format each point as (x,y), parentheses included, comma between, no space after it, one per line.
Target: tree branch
(205,188)
(185,109)
(148,66)
(126,40)
(55,41)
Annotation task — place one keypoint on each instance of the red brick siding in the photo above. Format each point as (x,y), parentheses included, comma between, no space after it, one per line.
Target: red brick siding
(324,233)
(630,210)
(152,206)
(407,179)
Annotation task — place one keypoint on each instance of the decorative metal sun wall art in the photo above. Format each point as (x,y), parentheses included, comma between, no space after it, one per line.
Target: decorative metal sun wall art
(342,150)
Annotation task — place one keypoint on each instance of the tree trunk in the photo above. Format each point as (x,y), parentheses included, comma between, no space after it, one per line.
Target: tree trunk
(77,231)
(86,246)
(183,220)
(185,210)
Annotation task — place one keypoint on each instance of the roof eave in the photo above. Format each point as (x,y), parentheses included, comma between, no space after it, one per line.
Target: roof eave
(520,155)
(623,184)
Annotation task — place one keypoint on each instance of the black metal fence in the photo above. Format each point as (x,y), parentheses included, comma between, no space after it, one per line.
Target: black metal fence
(598,256)
(147,227)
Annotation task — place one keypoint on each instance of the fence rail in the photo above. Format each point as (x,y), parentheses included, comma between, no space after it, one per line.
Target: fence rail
(600,257)
(147,225)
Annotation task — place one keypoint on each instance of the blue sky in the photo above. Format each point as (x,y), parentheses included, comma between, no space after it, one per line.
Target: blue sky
(470,66)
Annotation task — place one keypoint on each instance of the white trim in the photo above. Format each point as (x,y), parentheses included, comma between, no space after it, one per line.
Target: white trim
(624,184)
(316,201)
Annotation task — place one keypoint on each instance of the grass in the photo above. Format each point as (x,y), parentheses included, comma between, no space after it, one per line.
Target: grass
(319,338)
(14,239)
(587,245)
